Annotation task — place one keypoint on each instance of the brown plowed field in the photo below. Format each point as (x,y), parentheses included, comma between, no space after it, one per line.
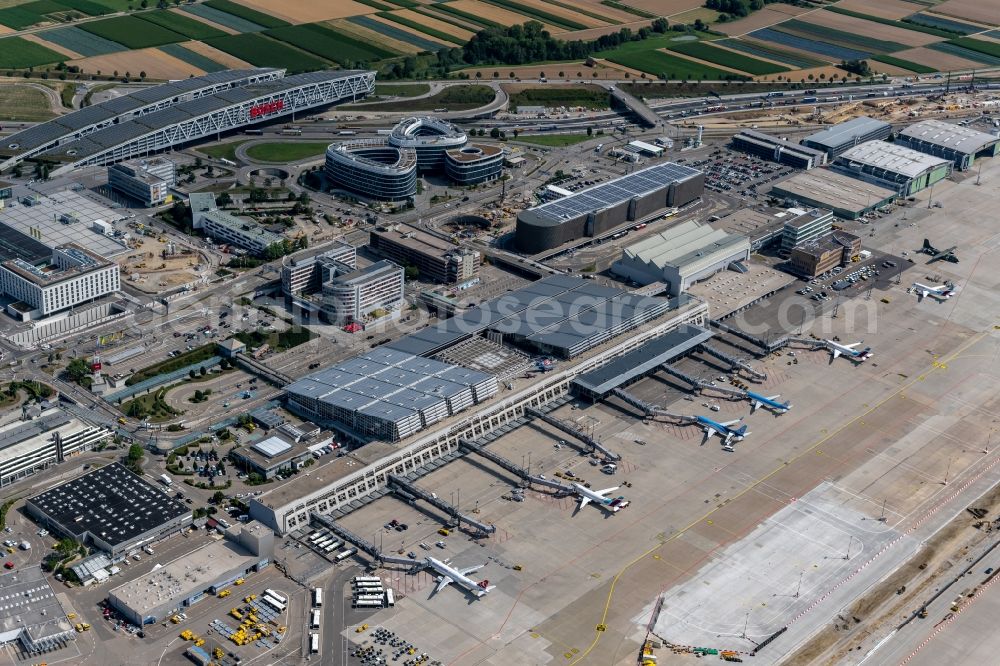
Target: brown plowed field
(556,10)
(308,11)
(375,38)
(980,11)
(593,33)
(440,26)
(498,14)
(871,29)
(939,61)
(212,53)
(890,9)
(156,64)
(761,19)
(407,29)
(665,7)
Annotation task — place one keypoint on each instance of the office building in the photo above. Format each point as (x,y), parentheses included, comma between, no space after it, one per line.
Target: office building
(109,508)
(301,273)
(274,455)
(840,137)
(227,229)
(682,256)
(778,150)
(435,259)
(361,295)
(178,585)
(146,181)
(962,145)
(805,226)
(53,436)
(473,164)
(430,139)
(373,168)
(600,208)
(818,256)
(848,198)
(893,166)
(72,276)
(31,614)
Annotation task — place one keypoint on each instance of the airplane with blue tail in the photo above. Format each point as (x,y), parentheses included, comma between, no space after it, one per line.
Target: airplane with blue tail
(724,430)
(771,402)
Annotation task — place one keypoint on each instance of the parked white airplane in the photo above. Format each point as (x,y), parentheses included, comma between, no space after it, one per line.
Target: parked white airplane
(448,575)
(859,355)
(612,504)
(941,292)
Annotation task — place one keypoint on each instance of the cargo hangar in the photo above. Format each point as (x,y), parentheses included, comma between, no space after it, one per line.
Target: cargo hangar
(161,117)
(595,210)
(961,145)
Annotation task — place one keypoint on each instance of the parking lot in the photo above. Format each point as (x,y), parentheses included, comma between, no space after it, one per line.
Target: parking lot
(738,174)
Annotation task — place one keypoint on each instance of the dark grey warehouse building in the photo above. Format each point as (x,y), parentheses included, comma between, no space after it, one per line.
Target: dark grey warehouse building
(597,209)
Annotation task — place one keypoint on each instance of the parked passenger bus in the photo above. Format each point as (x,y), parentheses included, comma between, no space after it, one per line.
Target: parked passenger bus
(367,579)
(368,583)
(331,547)
(273,603)
(314,619)
(317,597)
(345,554)
(366,604)
(313,643)
(277,595)
(390,598)
(255,132)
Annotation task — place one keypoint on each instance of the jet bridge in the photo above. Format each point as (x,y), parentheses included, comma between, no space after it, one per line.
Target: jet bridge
(573,432)
(702,385)
(516,470)
(768,347)
(733,361)
(356,541)
(648,408)
(411,490)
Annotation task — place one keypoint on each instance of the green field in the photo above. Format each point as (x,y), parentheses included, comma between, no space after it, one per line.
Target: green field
(181,24)
(222,151)
(644,56)
(328,43)
(244,12)
(738,61)
(292,151)
(132,31)
(905,64)
(402,89)
(419,27)
(553,140)
(591,97)
(18,102)
(264,52)
(382,7)
(30,13)
(988,48)
(453,98)
(16,53)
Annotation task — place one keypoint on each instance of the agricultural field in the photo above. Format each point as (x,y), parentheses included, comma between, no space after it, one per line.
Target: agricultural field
(186,55)
(154,62)
(179,23)
(888,9)
(664,7)
(904,64)
(80,41)
(422,33)
(980,11)
(24,103)
(831,51)
(587,96)
(264,18)
(234,23)
(644,57)
(872,31)
(428,23)
(289,151)
(768,52)
(263,52)
(764,18)
(729,59)
(557,16)
(310,11)
(327,43)
(495,14)
(402,89)
(905,25)
(454,98)
(28,14)
(553,140)
(944,24)
(468,16)
(132,31)
(227,60)
(845,38)
(399,34)
(17,52)
(359,38)
(35,39)
(977,54)
(937,60)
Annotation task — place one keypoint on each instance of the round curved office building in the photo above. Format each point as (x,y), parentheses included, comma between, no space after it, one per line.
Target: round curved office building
(473,164)
(373,168)
(430,138)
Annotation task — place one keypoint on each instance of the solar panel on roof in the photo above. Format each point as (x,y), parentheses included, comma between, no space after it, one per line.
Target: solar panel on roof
(85,117)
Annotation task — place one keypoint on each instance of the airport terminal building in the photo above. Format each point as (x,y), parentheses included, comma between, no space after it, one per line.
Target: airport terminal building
(595,210)
(961,145)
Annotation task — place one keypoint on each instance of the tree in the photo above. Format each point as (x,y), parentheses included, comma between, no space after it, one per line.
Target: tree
(78,370)
(411,272)
(218,497)
(590,131)
(202,371)
(192,374)
(495,133)
(198,396)
(142,75)
(135,454)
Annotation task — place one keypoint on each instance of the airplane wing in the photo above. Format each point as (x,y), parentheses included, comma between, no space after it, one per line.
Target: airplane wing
(836,353)
(708,433)
(443,582)
(730,423)
(773,397)
(607,490)
(852,346)
(468,570)
(584,501)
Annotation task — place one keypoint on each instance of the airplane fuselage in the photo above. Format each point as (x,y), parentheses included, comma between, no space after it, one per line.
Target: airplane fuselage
(457,576)
(854,354)
(612,504)
(720,429)
(779,407)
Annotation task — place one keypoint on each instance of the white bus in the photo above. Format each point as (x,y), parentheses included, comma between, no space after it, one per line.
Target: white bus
(313,643)
(330,548)
(314,619)
(316,536)
(317,597)
(321,544)
(361,603)
(370,597)
(366,583)
(367,579)
(277,595)
(273,603)
(390,598)
(345,554)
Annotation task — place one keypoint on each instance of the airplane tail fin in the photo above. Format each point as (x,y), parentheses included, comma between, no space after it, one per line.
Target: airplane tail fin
(927,244)
(741,430)
(866,351)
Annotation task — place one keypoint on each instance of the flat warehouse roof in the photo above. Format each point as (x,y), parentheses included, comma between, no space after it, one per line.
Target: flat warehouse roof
(111,503)
(638,362)
(892,157)
(44,217)
(27,602)
(847,131)
(833,190)
(961,139)
(681,245)
(613,192)
(770,140)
